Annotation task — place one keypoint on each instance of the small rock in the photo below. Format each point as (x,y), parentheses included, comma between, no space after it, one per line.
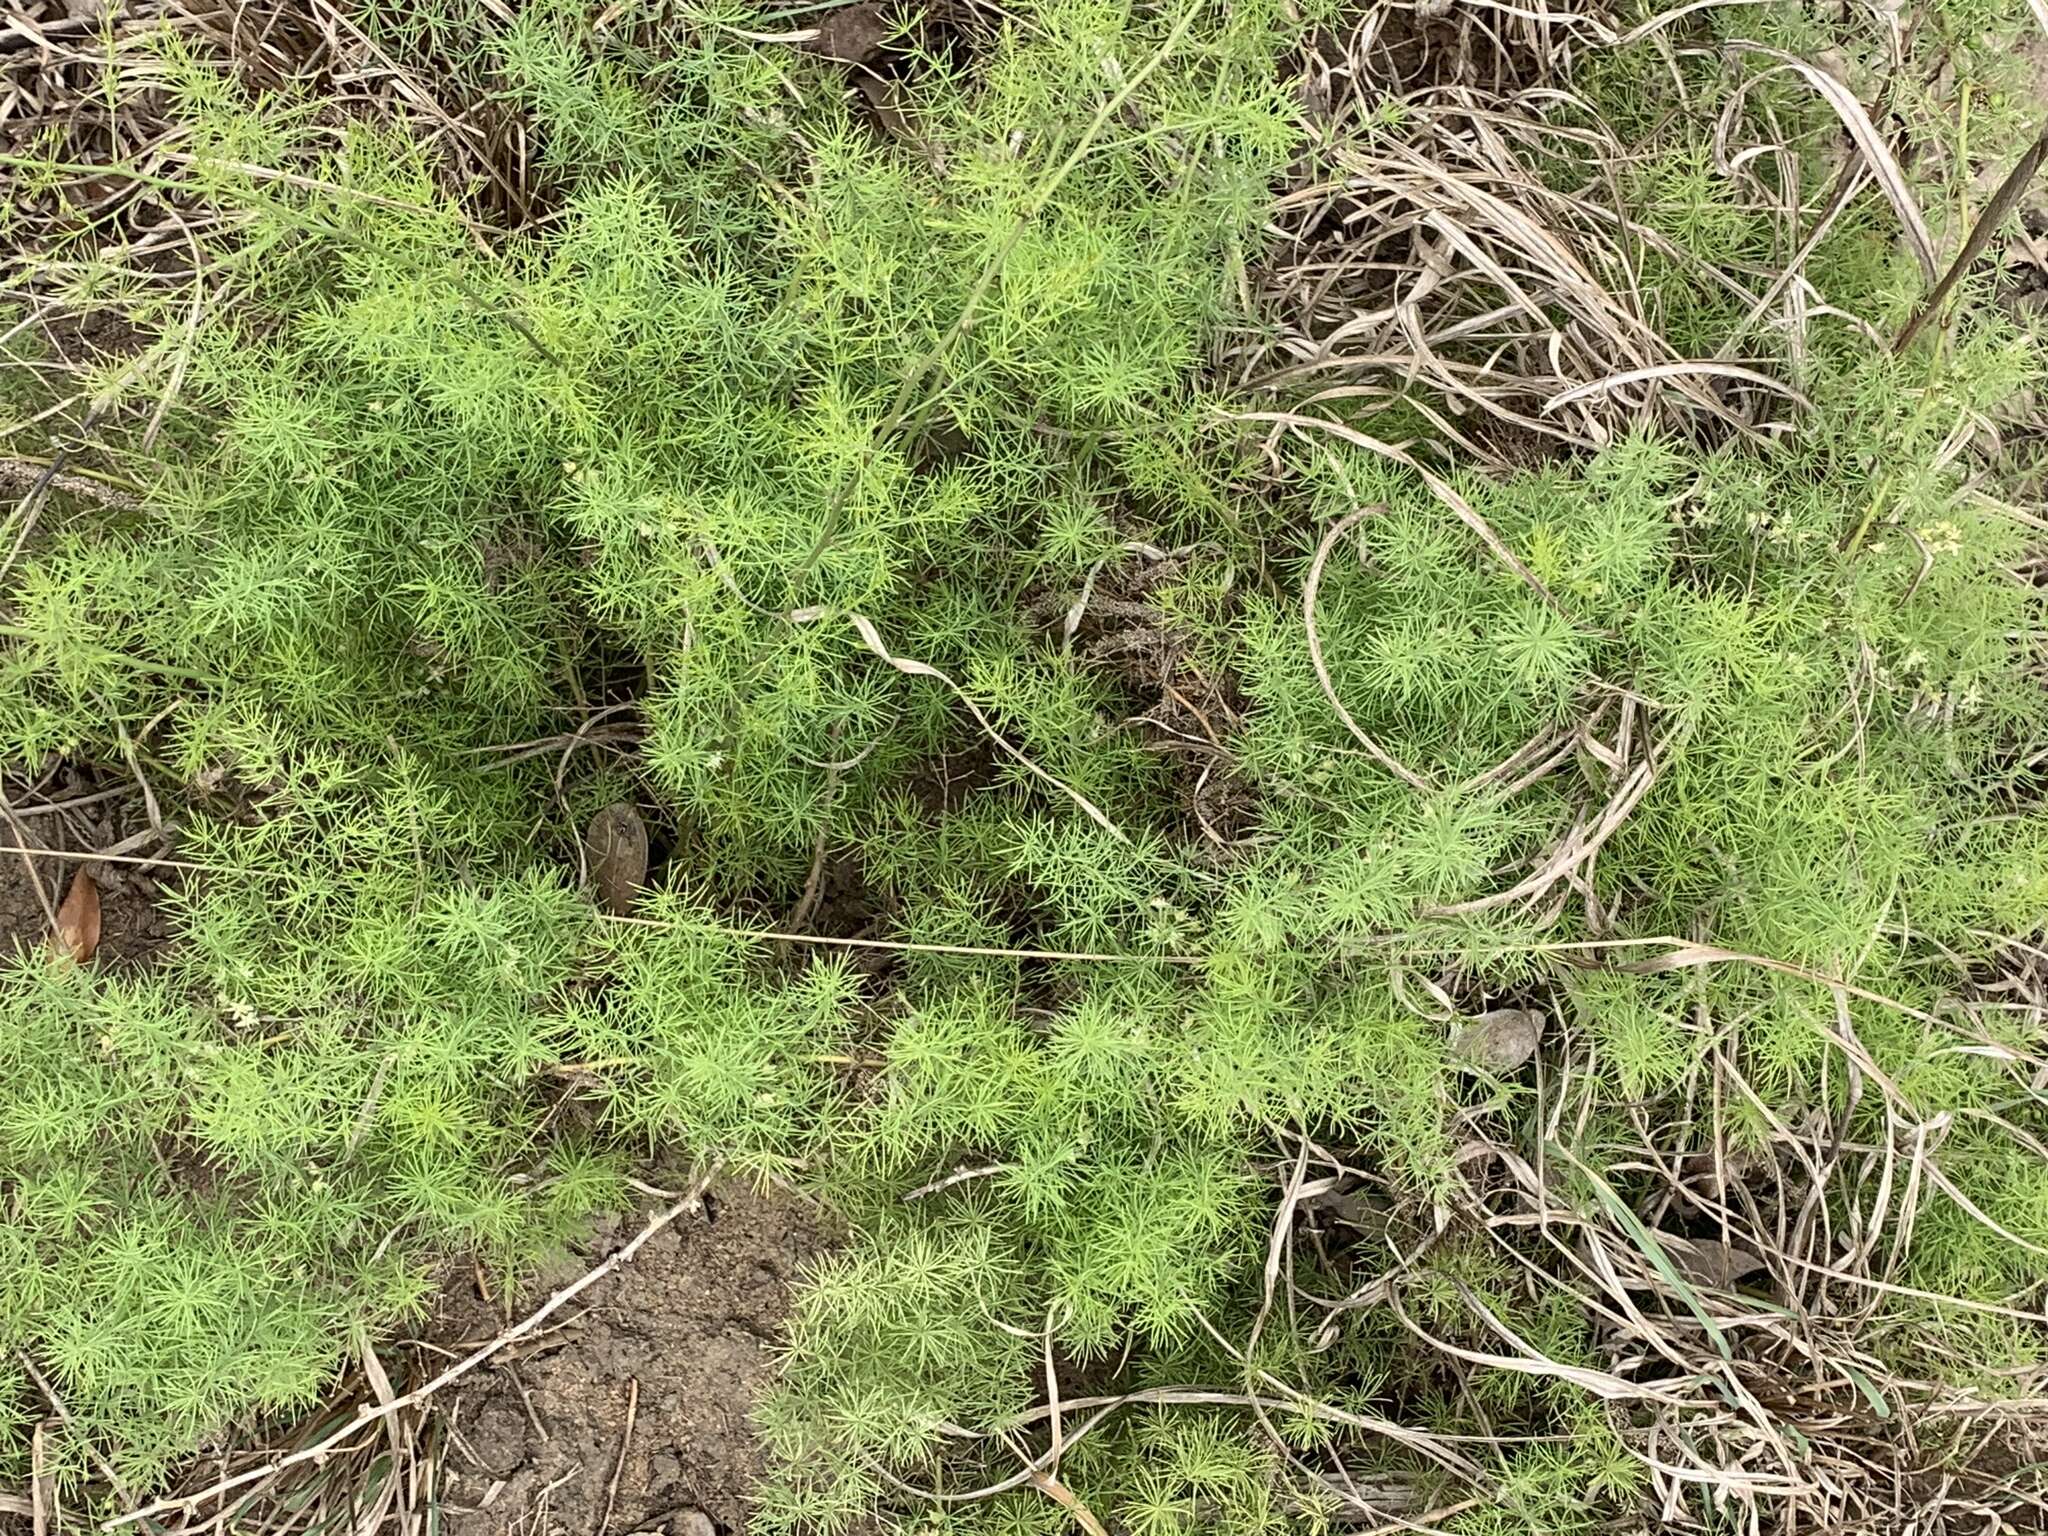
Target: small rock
(1500,1040)
(693,1522)
(853,34)
(499,1439)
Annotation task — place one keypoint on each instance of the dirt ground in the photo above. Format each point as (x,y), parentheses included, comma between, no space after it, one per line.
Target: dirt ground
(633,1415)
(132,928)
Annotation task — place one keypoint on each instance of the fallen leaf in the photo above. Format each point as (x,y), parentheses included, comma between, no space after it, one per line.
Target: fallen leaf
(1705,1262)
(78,919)
(1500,1040)
(1709,1261)
(616,847)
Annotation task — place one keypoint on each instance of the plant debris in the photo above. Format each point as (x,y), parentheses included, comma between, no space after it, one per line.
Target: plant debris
(77,934)
(616,848)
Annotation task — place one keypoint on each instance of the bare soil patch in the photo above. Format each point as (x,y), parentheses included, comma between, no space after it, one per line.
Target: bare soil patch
(634,1415)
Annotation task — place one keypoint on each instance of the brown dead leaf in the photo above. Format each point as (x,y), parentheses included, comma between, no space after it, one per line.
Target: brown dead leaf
(616,847)
(1500,1040)
(78,919)
(1706,1262)
(1709,1261)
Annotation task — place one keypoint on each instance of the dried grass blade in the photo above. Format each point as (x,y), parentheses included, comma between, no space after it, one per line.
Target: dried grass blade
(1600,1384)
(1652,1250)
(1665,19)
(1309,589)
(913,668)
(1868,140)
(1439,487)
(1678,370)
